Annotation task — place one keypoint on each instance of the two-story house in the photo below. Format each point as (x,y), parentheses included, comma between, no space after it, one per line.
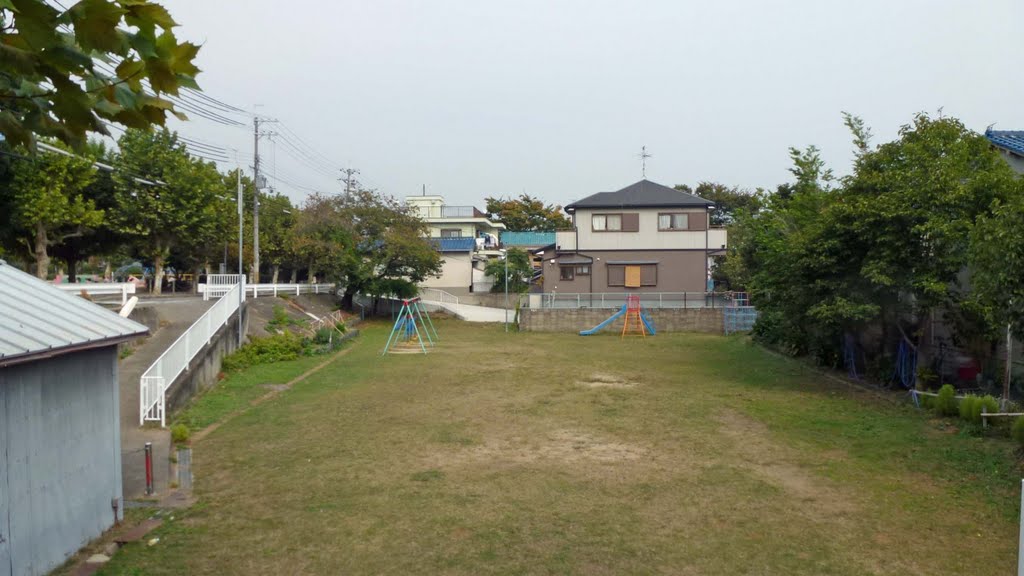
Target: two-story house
(643,238)
(466,238)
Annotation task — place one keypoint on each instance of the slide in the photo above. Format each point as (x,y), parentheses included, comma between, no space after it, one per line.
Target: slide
(648,322)
(597,328)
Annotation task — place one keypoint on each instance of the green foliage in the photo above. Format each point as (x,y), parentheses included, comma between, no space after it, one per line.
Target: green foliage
(972,406)
(945,403)
(183,215)
(729,200)
(368,242)
(883,245)
(282,320)
(520,270)
(527,213)
(180,434)
(276,348)
(324,336)
(49,204)
(1017,431)
(51,86)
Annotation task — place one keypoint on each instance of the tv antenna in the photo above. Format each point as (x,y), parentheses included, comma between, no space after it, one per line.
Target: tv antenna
(643,160)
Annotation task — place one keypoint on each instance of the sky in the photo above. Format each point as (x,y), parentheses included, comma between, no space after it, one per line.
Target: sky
(556,98)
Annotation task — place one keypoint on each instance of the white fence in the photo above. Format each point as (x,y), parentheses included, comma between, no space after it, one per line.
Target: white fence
(444,299)
(175,360)
(97,289)
(218,284)
(612,300)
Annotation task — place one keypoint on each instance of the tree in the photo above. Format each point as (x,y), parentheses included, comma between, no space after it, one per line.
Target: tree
(997,266)
(729,200)
(178,207)
(368,242)
(277,219)
(51,85)
(520,270)
(527,213)
(49,205)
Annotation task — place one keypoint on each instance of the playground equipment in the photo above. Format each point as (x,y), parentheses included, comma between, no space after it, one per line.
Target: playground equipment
(412,326)
(905,371)
(641,319)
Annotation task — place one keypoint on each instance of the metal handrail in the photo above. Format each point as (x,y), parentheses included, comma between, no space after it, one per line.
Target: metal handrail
(165,370)
(445,299)
(611,300)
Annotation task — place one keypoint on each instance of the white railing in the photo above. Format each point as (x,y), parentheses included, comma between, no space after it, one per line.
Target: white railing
(218,284)
(96,289)
(175,360)
(444,299)
(647,300)
(256,290)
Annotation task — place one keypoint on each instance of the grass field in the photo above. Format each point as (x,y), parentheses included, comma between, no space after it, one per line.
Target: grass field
(556,454)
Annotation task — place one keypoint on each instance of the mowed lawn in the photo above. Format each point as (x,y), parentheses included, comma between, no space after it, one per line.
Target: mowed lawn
(530,453)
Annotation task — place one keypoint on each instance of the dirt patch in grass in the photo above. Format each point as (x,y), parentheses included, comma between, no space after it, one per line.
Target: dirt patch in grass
(605,380)
(776,464)
(565,447)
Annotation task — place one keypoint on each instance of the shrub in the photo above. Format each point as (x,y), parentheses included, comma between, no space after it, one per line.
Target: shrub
(276,348)
(324,336)
(968,406)
(945,402)
(1018,431)
(180,434)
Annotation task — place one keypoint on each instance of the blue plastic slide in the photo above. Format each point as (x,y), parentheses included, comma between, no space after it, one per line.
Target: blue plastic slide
(649,323)
(597,328)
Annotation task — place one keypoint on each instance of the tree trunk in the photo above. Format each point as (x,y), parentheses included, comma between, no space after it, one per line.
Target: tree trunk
(158,273)
(277,269)
(108,271)
(195,278)
(310,276)
(295,276)
(72,262)
(42,258)
(346,300)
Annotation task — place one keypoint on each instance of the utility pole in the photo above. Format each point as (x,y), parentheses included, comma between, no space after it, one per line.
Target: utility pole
(350,181)
(255,279)
(258,182)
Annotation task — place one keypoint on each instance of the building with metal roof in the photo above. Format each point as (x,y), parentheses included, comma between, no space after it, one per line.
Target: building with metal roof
(1010,143)
(60,437)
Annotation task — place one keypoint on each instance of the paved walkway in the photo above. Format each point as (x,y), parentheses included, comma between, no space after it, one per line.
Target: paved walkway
(175,317)
(474,313)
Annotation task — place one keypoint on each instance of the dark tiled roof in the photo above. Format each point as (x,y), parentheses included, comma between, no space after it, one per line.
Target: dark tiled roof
(1011,140)
(643,194)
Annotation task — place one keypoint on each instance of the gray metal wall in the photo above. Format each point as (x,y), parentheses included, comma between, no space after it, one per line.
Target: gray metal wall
(60,457)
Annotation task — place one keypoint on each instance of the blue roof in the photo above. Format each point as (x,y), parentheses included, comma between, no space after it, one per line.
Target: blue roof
(454,244)
(527,238)
(1012,140)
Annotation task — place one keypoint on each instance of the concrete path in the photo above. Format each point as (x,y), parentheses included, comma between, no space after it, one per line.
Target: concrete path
(175,316)
(473,313)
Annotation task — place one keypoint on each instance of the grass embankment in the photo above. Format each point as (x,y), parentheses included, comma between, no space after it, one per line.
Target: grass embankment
(550,453)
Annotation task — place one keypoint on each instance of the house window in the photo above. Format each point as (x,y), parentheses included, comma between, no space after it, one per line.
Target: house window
(673,221)
(451,233)
(607,222)
(632,275)
(583,270)
(567,273)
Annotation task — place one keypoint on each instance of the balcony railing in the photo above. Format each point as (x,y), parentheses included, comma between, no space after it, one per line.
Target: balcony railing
(450,212)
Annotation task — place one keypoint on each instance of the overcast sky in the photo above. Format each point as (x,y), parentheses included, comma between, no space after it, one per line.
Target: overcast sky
(555,98)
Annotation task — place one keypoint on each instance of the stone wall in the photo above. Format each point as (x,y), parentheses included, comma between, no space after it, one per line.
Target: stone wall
(708,320)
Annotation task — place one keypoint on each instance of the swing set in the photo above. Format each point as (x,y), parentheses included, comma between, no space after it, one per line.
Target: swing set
(412,326)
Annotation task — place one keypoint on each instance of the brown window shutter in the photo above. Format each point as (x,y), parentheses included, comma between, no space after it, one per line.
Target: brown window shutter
(616,275)
(632,276)
(649,275)
(630,222)
(697,221)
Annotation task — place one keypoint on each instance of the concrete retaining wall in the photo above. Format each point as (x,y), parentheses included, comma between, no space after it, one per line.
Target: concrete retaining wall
(708,320)
(205,367)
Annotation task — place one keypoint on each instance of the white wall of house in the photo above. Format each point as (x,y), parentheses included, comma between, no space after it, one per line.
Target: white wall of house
(456,272)
(648,237)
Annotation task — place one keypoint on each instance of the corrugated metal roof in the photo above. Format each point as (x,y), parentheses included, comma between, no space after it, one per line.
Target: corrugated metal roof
(1012,140)
(37,318)
(643,194)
